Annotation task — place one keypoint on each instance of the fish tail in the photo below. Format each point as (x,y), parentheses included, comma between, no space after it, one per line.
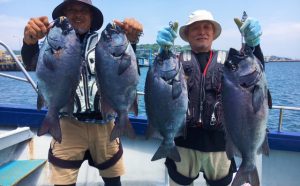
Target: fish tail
(134,107)
(116,132)
(122,127)
(40,101)
(246,175)
(149,130)
(51,125)
(130,131)
(165,151)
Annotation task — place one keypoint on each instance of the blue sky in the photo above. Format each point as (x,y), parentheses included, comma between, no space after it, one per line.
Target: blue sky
(280,20)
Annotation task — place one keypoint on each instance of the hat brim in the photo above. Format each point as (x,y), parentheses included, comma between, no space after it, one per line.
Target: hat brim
(217,31)
(97,19)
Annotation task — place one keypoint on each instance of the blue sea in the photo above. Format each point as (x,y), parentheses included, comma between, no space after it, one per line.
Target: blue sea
(283,80)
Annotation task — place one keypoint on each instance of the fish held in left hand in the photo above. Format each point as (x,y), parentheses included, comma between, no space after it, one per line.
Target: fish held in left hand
(117,76)
(166,102)
(245,103)
(58,74)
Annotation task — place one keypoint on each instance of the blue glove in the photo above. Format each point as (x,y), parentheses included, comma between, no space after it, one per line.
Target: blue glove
(251,30)
(165,37)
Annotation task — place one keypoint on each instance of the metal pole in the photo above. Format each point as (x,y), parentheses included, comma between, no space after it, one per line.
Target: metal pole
(167,181)
(140,93)
(13,77)
(20,66)
(281,108)
(280,120)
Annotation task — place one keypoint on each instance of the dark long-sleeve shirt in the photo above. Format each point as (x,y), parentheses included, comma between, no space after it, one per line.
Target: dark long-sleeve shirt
(29,55)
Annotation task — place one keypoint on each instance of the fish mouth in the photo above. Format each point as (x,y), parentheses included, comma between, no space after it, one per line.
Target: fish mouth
(249,79)
(118,45)
(55,44)
(63,23)
(168,71)
(118,50)
(167,66)
(55,41)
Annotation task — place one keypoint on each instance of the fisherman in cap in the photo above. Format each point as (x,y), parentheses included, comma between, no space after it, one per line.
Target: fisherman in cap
(82,138)
(203,147)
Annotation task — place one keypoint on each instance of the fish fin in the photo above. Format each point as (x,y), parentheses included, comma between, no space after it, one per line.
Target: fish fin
(116,132)
(122,127)
(105,108)
(246,175)
(270,102)
(231,150)
(130,131)
(257,98)
(181,132)
(124,64)
(185,132)
(40,102)
(176,89)
(134,107)
(229,147)
(184,128)
(51,125)
(149,131)
(249,80)
(166,151)
(264,147)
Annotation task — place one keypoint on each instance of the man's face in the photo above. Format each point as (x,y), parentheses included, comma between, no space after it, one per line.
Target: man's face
(80,16)
(200,35)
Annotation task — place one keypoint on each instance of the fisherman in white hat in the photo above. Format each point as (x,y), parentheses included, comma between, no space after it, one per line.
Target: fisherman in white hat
(203,147)
(86,137)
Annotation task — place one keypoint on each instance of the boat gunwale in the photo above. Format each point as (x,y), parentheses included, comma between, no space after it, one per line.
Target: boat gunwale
(19,116)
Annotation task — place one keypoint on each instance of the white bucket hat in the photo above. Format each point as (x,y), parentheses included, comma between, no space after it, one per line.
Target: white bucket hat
(200,15)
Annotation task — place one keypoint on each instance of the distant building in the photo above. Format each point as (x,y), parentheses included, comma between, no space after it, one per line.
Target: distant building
(2,53)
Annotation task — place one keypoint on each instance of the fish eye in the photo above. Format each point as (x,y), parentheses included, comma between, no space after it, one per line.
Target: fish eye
(116,54)
(233,67)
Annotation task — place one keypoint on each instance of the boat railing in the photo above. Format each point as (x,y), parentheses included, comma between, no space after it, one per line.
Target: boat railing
(281,109)
(18,62)
(140,93)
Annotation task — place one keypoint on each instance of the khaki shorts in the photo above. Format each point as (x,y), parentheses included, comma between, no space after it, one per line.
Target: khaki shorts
(77,137)
(215,165)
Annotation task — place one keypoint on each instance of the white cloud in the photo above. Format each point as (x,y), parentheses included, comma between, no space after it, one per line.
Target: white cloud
(11,32)
(280,39)
(282,31)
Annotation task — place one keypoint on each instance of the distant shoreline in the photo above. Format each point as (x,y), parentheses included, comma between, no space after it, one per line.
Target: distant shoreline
(282,61)
(12,66)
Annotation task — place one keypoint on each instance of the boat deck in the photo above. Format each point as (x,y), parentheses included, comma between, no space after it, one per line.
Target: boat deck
(280,168)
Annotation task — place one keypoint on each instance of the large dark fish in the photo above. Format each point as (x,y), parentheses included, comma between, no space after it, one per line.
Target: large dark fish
(166,102)
(245,103)
(58,73)
(117,76)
